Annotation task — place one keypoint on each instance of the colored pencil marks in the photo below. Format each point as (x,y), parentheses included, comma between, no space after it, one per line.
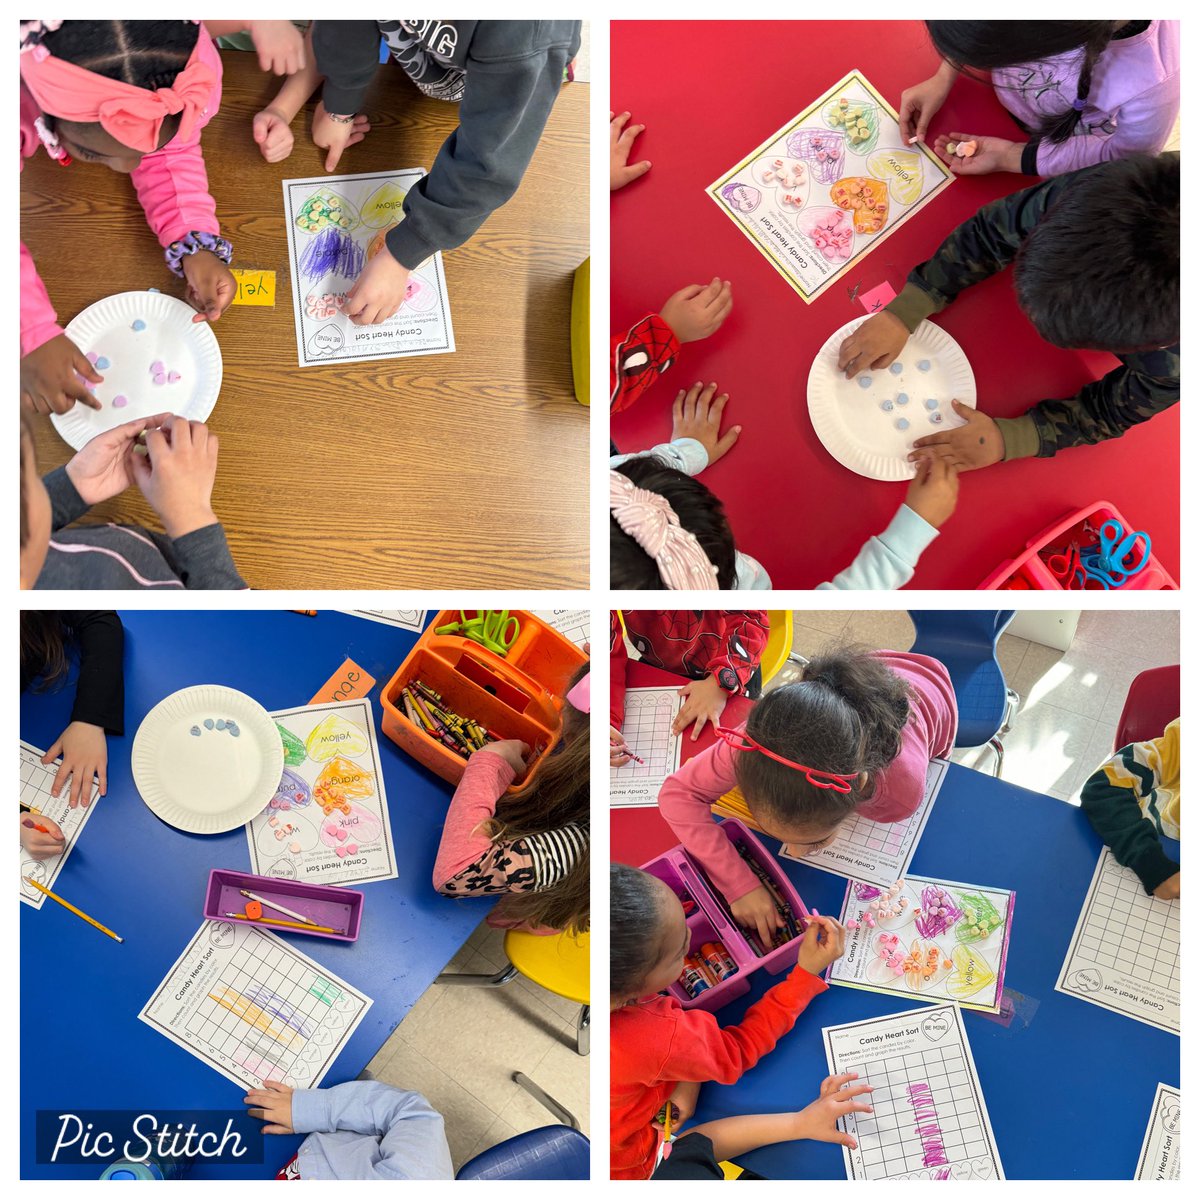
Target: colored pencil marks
(328,821)
(335,227)
(649,714)
(251,1006)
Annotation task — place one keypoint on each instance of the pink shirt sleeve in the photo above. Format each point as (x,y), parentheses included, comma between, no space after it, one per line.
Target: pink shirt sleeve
(39,322)
(474,801)
(172,183)
(685,802)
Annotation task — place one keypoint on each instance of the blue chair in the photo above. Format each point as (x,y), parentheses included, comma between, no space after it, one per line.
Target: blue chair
(554,1152)
(966,642)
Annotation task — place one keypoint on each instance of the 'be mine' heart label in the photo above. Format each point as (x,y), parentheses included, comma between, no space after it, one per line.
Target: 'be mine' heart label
(935,1026)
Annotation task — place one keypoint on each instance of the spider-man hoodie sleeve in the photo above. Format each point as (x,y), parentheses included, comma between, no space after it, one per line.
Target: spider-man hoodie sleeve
(743,637)
(638,357)
(618,660)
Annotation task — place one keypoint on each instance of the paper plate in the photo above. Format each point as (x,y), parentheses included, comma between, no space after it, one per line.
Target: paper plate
(169,337)
(202,779)
(850,419)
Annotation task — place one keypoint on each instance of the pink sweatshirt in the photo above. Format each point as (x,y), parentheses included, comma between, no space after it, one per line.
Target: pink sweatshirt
(1131,105)
(687,796)
(474,803)
(171,184)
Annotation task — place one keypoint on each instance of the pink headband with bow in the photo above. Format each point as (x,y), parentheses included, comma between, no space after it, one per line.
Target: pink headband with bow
(132,115)
(650,520)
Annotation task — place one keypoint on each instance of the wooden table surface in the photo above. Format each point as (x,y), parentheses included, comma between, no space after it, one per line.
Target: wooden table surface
(454,470)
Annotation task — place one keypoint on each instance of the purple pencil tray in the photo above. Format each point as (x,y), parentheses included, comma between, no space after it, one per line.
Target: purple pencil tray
(708,923)
(338,907)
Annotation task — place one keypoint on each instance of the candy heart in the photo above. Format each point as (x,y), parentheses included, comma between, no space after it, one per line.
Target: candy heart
(173,377)
(326,208)
(340,834)
(823,153)
(339,782)
(92,357)
(351,849)
(935,1026)
(331,829)
(340,851)
(857,119)
(293,748)
(900,170)
(336,736)
(419,295)
(292,792)
(831,231)
(865,199)
(120,401)
(159,378)
(156,367)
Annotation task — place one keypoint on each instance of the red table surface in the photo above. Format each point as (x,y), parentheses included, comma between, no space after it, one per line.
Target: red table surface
(638,834)
(709,92)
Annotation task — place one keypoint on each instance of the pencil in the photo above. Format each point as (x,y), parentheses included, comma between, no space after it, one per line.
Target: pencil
(67,905)
(287,912)
(290,924)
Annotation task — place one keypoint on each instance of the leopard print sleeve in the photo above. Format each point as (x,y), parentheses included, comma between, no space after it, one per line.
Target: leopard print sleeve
(527,864)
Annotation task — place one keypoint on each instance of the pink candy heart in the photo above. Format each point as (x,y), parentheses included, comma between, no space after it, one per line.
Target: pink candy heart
(120,401)
(341,835)
(160,378)
(351,849)
(340,851)
(173,377)
(156,367)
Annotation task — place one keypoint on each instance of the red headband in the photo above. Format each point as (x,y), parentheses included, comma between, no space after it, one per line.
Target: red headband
(740,740)
(133,115)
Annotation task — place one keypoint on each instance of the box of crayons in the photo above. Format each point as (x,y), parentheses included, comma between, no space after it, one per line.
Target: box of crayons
(453,694)
(722,956)
(283,905)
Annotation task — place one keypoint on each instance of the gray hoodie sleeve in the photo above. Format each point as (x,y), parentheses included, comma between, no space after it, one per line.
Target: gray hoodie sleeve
(66,504)
(347,54)
(504,109)
(203,561)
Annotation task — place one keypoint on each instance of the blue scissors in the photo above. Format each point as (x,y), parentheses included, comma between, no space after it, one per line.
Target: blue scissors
(1106,561)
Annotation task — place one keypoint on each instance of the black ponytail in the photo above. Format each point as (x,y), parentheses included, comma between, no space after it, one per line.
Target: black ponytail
(633,898)
(846,716)
(993,45)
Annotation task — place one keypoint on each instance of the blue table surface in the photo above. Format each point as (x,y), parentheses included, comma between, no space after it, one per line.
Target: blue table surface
(1069,1094)
(147,881)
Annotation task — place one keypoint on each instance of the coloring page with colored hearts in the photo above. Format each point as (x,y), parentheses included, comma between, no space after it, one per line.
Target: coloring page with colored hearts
(929,1120)
(336,224)
(328,820)
(926,939)
(822,192)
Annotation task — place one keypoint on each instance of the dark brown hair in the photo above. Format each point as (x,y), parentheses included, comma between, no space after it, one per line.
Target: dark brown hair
(44,647)
(634,941)
(846,715)
(558,795)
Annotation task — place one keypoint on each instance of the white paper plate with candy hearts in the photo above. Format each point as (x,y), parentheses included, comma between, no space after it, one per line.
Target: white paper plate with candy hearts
(153,358)
(869,423)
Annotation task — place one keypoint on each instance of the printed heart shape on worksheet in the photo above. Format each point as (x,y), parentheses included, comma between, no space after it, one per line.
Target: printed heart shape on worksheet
(971,973)
(900,170)
(865,199)
(384,206)
(328,340)
(935,1026)
(981,1168)
(336,736)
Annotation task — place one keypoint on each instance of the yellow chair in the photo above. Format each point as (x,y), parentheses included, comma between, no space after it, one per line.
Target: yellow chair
(560,963)
(779,644)
(580,330)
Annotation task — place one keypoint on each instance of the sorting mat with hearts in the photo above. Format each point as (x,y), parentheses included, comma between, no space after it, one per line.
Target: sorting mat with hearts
(328,819)
(254,1008)
(828,187)
(929,1120)
(336,226)
(926,939)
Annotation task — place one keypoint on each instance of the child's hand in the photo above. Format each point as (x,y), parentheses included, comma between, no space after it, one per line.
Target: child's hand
(84,751)
(280,46)
(1169,888)
(824,942)
(103,468)
(273,135)
(211,285)
(177,473)
(620,146)
(618,752)
(50,380)
(335,136)
(978,443)
(705,701)
(271,1103)
(698,310)
(933,493)
(873,345)
(697,415)
(919,103)
(38,844)
(512,751)
(378,292)
(756,911)
(683,1101)
(819,1120)
(991,154)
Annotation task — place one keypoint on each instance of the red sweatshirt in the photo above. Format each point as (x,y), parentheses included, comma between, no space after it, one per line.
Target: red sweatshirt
(727,644)
(657,1044)
(637,358)
(686,798)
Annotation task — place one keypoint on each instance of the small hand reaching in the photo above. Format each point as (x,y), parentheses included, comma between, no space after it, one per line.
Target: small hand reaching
(978,443)
(818,1120)
(698,310)
(697,415)
(621,137)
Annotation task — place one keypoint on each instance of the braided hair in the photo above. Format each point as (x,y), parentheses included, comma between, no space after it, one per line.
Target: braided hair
(993,45)
(143,54)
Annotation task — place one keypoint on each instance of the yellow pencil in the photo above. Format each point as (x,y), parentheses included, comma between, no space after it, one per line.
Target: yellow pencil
(289,924)
(70,907)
